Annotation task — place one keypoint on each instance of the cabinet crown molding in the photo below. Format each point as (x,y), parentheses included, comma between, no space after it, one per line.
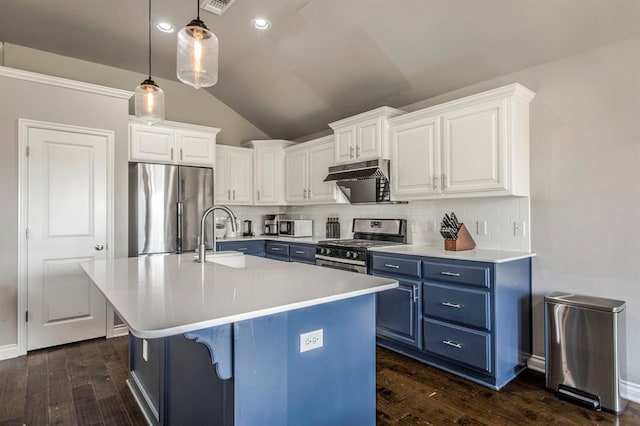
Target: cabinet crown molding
(382,112)
(177,125)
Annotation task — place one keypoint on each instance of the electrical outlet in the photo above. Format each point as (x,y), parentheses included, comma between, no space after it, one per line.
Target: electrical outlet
(413,225)
(519,229)
(431,225)
(481,227)
(311,340)
(145,350)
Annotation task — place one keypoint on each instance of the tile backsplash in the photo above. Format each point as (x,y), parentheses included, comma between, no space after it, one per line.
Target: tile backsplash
(423,219)
(500,214)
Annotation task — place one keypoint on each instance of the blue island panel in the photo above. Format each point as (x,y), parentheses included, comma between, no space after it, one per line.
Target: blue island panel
(276,384)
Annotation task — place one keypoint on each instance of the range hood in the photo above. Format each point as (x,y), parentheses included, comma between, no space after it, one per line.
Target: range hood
(366,182)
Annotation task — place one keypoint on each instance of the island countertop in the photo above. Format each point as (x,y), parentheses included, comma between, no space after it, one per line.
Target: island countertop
(165,295)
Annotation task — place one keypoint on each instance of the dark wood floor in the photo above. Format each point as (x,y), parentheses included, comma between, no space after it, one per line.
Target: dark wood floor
(84,383)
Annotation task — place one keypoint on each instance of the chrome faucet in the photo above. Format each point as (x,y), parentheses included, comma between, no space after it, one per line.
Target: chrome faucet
(201,244)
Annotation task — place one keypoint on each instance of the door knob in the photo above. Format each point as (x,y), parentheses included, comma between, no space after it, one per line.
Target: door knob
(99,247)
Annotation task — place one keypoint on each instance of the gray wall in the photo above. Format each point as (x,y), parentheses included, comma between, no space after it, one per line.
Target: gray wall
(24,99)
(182,103)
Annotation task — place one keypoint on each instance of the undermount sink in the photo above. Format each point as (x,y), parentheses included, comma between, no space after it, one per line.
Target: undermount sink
(233,259)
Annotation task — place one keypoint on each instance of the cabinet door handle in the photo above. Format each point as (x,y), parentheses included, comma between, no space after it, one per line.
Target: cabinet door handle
(450,274)
(350,152)
(389,265)
(415,293)
(444,182)
(304,194)
(228,194)
(309,194)
(258,195)
(452,344)
(242,249)
(172,153)
(435,182)
(181,156)
(357,151)
(450,305)
(299,252)
(234,194)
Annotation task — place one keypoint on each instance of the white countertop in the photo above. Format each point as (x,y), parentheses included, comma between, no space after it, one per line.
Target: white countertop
(478,255)
(159,296)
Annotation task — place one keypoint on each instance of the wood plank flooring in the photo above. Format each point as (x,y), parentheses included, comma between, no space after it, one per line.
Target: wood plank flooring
(84,384)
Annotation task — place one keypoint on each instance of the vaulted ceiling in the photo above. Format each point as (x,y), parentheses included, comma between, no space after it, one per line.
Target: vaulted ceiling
(324,60)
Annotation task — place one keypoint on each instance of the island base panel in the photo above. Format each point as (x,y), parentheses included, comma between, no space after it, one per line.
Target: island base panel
(273,383)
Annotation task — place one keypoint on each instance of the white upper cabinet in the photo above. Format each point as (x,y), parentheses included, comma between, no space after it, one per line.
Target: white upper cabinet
(306,167)
(172,143)
(363,136)
(474,146)
(269,170)
(234,175)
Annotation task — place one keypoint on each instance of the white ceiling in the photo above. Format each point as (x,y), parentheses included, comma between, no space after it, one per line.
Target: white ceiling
(324,60)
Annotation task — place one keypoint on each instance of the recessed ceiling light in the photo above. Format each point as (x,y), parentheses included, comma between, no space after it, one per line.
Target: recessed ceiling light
(260,23)
(165,27)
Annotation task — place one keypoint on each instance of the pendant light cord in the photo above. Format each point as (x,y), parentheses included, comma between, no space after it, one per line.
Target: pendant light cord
(198,9)
(149,39)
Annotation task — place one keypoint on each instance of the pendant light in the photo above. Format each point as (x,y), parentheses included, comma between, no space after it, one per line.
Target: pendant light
(197,57)
(149,97)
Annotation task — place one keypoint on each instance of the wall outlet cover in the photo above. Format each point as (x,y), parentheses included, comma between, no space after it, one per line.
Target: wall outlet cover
(311,340)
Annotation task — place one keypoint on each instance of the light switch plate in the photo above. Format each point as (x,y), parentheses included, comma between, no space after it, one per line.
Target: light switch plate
(311,340)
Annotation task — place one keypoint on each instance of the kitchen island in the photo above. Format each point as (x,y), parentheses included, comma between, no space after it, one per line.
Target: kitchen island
(263,342)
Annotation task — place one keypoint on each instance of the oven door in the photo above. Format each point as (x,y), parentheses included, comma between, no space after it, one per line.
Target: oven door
(341,264)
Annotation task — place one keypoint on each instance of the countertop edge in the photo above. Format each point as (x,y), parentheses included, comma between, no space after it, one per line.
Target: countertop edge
(172,331)
(485,255)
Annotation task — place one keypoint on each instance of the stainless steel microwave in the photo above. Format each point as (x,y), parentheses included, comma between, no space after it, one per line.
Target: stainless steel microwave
(296,227)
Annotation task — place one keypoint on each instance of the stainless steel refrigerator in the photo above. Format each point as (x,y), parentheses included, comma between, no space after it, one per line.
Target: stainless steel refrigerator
(165,206)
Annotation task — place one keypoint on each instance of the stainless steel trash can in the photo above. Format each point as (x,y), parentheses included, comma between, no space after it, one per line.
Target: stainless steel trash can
(585,349)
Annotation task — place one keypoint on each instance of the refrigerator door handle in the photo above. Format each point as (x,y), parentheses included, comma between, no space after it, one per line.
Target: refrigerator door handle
(180,224)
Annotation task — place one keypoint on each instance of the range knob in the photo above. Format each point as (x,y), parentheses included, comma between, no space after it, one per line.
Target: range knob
(326,251)
(348,254)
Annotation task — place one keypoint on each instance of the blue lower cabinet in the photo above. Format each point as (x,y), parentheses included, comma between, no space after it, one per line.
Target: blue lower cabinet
(276,250)
(398,313)
(472,318)
(302,253)
(250,247)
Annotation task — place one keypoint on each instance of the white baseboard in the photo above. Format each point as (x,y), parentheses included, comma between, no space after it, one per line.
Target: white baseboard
(629,390)
(119,330)
(9,351)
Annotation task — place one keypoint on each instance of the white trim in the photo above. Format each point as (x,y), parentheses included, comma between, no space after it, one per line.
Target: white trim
(536,363)
(64,82)
(119,330)
(9,351)
(628,390)
(23,186)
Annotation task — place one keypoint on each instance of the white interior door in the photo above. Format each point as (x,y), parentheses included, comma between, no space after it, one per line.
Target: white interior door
(67,224)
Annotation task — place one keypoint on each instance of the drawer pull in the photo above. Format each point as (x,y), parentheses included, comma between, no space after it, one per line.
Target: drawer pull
(299,252)
(389,265)
(452,344)
(450,274)
(450,305)
(275,248)
(242,249)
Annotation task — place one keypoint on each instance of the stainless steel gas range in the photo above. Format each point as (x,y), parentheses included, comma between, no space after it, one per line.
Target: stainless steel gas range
(352,255)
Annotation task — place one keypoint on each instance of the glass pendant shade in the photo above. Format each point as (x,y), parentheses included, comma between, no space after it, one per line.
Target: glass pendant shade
(149,102)
(197,57)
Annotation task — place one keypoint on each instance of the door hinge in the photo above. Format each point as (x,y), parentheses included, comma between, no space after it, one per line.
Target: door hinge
(28,150)
(26,316)
(26,233)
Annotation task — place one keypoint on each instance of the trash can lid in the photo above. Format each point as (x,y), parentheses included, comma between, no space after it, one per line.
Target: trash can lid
(590,302)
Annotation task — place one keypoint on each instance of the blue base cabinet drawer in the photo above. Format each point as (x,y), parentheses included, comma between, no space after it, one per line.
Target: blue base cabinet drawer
(396,265)
(252,247)
(305,253)
(278,251)
(458,344)
(474,275)
(466,306)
